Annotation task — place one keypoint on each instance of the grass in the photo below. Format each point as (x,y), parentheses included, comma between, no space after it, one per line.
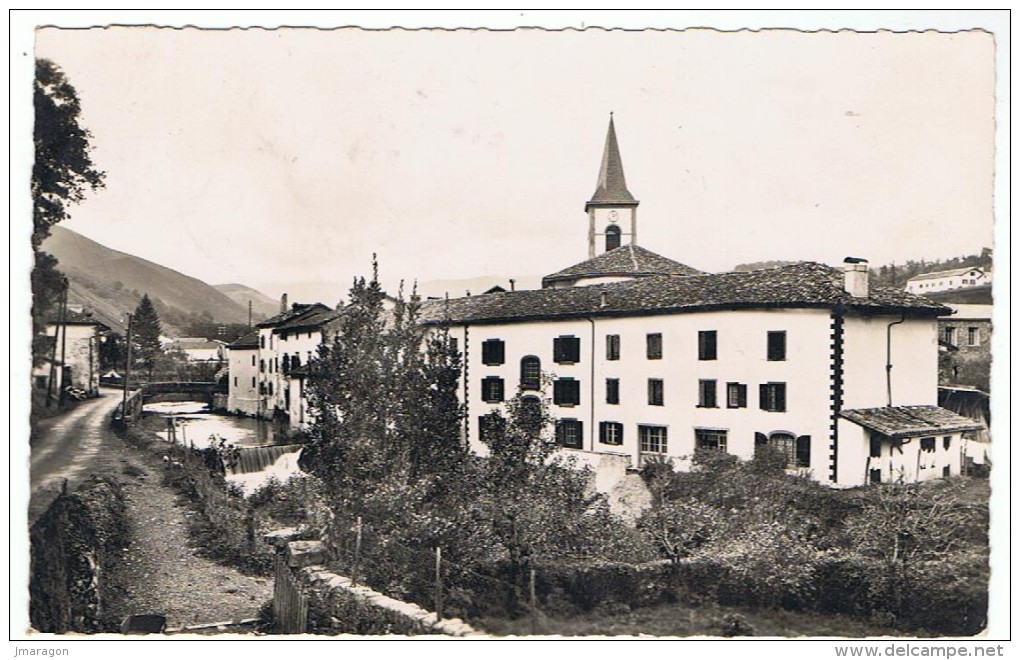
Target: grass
(677,620)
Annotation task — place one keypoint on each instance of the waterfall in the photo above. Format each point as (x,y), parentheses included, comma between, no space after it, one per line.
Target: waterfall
(260,459)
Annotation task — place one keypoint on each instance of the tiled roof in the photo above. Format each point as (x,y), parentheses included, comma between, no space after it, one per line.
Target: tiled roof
(625,261)
(801,285)
(79,318)
(612,186)
(296,310)
(312,318)
(944,273)
(247,342)
(908,421)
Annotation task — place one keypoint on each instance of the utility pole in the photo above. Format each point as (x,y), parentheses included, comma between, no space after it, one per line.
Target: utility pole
(63,349)
(127,371)
(249,315)
(61,313)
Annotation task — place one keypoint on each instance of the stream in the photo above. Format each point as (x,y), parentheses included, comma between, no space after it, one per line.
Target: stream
(259,459)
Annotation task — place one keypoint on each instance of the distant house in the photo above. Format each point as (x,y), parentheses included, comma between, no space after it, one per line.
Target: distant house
(199,349)
(944,280)
(72,355)
(965,341)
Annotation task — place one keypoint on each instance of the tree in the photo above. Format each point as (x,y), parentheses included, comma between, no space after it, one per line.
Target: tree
(61,175)
(146,331)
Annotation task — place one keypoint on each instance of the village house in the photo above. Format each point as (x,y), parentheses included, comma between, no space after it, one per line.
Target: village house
(643,358)
(199,349)
(72,359)
(945,280)
(242,370)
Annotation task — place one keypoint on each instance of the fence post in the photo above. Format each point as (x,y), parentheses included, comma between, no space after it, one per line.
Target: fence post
(532,600)
(357,552)
(439,584)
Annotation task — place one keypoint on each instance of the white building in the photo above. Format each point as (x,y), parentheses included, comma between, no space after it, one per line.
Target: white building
(73,356)
(805,358)
(944,280)
(243,371)
(199,349)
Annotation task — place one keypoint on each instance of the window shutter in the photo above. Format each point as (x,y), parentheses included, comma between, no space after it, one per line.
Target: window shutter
(760,439)
(804,451)
(763,397)
(603,435)
(742,396)
(781,398)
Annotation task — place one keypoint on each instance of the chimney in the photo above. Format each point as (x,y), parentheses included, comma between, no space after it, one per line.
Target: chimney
(283,304)
(855,276)
(512,283)
(602,299)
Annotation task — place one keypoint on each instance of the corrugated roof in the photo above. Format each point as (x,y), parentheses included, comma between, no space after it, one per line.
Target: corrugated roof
(910,421)
(624,261)
(944,273)
(612,186)
(802,285)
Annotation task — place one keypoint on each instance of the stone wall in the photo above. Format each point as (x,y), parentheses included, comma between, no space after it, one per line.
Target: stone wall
(73,544)
(308,598)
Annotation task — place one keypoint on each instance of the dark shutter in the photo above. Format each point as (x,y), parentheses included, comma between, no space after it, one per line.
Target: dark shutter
(804,451)
(741,395)
(780,397)
(603,431)
(492,351)
(763,397)
(566,350)
(760,439)
(777,345)
(707,345)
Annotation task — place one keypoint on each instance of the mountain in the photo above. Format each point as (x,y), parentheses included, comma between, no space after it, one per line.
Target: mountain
(262,305)
(110,283)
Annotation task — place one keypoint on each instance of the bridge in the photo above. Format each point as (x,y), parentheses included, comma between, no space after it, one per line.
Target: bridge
(180,391)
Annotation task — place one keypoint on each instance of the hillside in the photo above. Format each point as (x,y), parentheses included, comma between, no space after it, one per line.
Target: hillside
(262,305)
(111,283)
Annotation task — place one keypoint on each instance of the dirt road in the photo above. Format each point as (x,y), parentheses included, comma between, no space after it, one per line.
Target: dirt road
(71,447)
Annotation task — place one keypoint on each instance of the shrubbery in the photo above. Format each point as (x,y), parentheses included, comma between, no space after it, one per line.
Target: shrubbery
(748,534)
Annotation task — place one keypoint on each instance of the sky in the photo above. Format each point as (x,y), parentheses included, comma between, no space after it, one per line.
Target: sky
(279,157)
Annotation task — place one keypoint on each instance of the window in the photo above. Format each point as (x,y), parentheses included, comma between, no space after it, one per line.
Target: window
(566,350)
(655,393)
(772,397)
(262,366)
(613,390)
(493,351)
(253,381)
(777,345)
(453,345)
(531,373)
(706,394)
(652,439)
(707,345)
(566,392)
(945,471)
(875,476)
(612,347)
(569,433)
(947,441)
(269,388)
(876,445)
(973,337)
(286,363)
(235,381)
(262,341)
(927,444)
(295,361)
(653,346)
(253,360)
(611,433)
(612,237)
(950,335)
(796,449)
(714,439)
(736,395)
(492,389)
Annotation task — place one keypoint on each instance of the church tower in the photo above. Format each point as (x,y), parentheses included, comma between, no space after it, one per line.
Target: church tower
(612,210)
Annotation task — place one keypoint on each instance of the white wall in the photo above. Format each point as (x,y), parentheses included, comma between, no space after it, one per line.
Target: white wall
(243,384)
(742,358)
(914,359)
(909,465)
(81,354)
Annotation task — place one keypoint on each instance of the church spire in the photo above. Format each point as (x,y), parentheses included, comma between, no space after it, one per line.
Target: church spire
(611,189)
